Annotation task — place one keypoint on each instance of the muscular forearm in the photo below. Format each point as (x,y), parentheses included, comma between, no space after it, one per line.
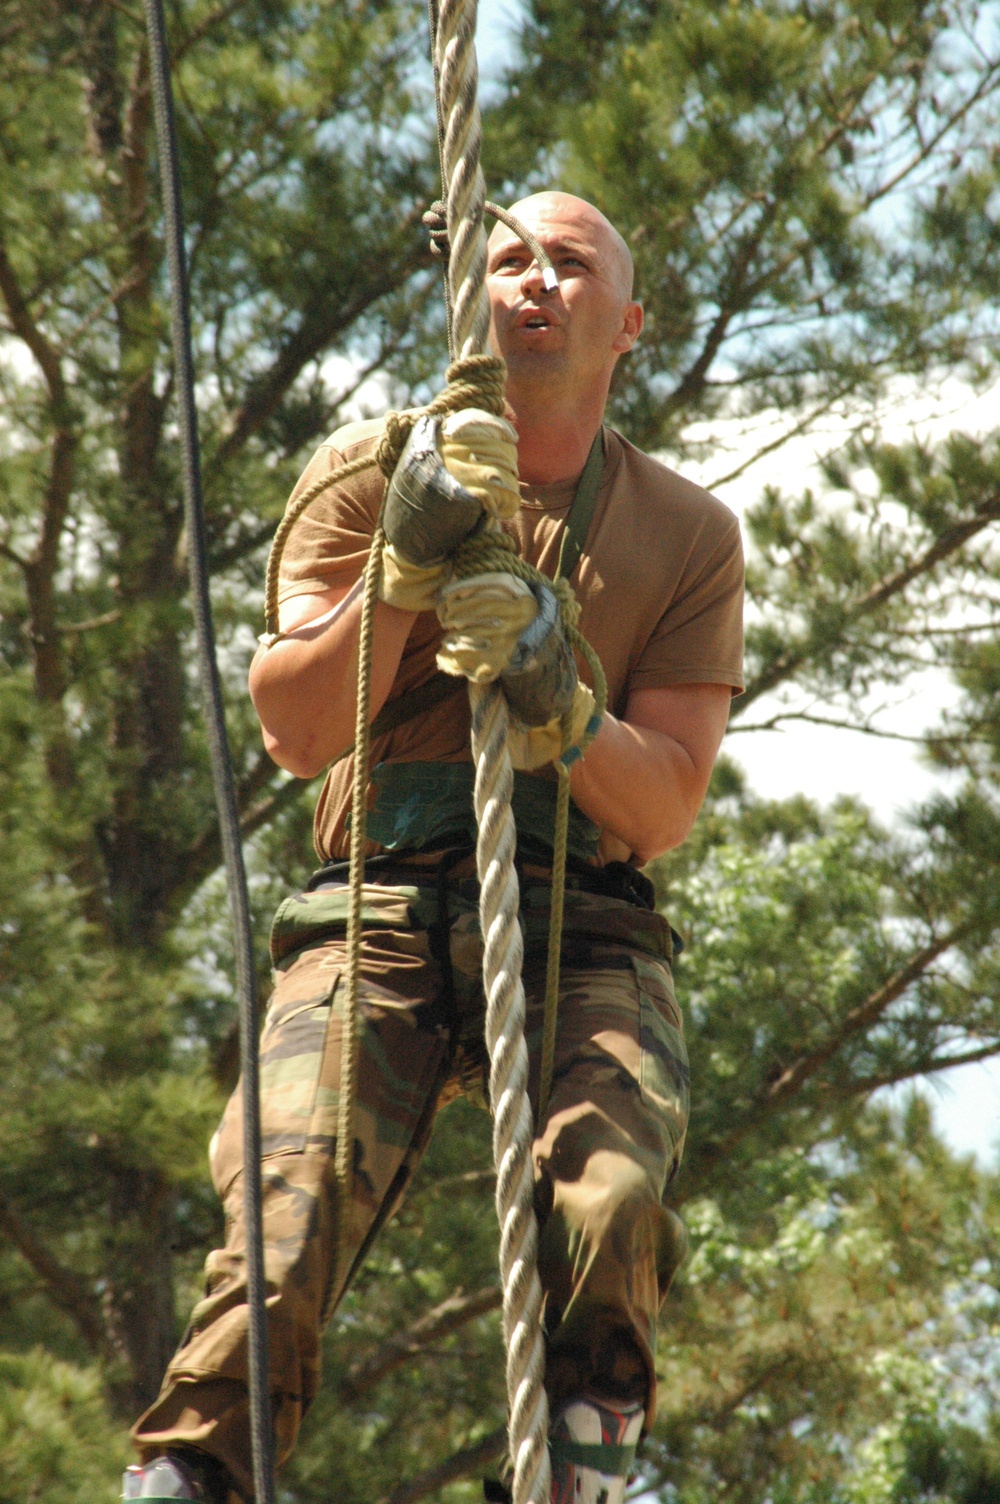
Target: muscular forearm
(639,786)
(644,777)
(304,687)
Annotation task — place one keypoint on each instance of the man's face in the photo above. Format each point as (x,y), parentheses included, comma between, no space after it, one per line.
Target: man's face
(575,334)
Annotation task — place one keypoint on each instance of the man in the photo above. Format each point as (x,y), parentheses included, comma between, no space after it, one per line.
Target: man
(660,585)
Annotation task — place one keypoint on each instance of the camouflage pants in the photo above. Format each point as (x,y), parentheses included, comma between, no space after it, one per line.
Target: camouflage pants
(611,1140)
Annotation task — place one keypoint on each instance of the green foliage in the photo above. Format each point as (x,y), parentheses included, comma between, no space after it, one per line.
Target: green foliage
(810,194)
(954,1463)
(809,191)
(55,1438)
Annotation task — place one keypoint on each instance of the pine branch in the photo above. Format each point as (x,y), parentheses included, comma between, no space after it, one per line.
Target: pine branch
(26,328)
(733,299)
(864,728)
(13,557)
(106,619)
(459,1465)
(40,567)
(64,1288)
(444,1319)
(256,816)
(318,328)
(794,1077)
(804,424)
(208,24)
(231,553)
(986,86)
(193,866)
(221,559)
(949,542)
(932,1067)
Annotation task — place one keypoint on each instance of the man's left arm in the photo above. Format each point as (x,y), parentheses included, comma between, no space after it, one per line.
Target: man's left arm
(644,777)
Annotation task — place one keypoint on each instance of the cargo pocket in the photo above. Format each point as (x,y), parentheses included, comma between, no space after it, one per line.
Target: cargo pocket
(309,918)
(664,1077)
(292,1049)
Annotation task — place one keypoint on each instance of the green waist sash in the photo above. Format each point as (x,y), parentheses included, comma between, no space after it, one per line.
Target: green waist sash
(422,804)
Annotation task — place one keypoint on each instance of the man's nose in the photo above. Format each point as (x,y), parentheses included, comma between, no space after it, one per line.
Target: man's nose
(533,280)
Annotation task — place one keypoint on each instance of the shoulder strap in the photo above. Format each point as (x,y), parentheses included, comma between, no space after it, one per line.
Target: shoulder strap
(582,511)
(410,704)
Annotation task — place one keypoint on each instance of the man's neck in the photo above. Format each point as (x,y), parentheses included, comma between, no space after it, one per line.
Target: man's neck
(553,438)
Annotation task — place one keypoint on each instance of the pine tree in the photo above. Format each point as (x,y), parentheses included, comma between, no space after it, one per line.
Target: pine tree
(811,198)
(285,118)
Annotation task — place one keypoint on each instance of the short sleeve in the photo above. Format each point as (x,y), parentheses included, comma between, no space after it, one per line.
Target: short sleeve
(329,544)
(699,637)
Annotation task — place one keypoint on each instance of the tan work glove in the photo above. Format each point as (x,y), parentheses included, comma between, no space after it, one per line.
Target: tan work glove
(533,746)
(483,616)
(480,450)
(409,586)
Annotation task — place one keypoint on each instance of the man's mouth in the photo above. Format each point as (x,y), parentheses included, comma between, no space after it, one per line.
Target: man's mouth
(535,318)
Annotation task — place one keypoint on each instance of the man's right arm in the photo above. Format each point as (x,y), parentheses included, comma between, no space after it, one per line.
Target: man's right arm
(304,687)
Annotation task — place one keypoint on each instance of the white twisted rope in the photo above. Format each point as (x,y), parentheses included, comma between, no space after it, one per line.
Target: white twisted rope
(528,1423)
(465,189)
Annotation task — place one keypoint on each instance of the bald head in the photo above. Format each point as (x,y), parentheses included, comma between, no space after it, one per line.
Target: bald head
(561,344)
(550,211)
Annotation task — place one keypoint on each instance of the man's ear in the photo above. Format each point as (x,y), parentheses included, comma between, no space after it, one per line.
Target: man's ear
(632,320)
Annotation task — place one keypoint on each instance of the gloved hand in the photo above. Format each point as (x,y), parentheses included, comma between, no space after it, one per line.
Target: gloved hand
(480,450)
(411,587)
(498,627)
(483,616)
(448,477)
(533,746)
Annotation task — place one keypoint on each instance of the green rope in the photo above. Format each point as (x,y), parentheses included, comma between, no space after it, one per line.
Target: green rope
(558,894)
(347,1091)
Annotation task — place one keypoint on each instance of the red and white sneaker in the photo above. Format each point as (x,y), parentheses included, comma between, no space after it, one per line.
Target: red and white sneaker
(592,1446)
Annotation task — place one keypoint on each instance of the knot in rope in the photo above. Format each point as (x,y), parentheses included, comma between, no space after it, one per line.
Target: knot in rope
(436,220)
(393,441)
(569,606)
(473,381)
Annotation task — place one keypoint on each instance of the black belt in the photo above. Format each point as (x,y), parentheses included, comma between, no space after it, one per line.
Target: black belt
(613,880)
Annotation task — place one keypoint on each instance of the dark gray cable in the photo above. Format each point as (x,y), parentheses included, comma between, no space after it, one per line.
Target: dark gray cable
(432,24)
(261,1424)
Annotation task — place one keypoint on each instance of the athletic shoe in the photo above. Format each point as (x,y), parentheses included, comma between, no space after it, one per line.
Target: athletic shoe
(175,1475)
(592,1445)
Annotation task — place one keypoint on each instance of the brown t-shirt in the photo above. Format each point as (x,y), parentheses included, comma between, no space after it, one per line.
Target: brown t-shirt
(660,585)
